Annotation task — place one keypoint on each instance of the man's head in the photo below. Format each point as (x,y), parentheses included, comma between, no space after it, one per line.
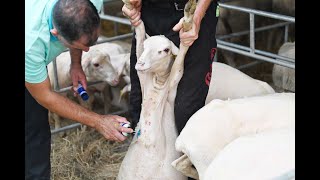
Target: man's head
(77,22)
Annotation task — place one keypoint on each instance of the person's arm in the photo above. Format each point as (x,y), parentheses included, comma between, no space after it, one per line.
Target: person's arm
(134,13)
(187,38)
(76,71)
(107,125)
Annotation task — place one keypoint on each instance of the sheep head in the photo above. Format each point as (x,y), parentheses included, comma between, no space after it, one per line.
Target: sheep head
(157,56)
(98,67)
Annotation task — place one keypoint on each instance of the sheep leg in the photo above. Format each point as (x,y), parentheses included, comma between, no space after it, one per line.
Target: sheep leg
(57,123)
(87,104)
(55,118)
(106,99)
(140,37)
(177,67)
(140,32)
(189,9)
(127,3)
(184,165)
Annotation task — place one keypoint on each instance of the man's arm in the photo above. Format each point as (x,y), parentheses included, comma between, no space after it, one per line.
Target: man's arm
(107,125)
(201,9)
(187,38)
(76,71)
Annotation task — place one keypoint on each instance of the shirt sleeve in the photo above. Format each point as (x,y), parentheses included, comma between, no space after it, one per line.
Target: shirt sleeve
(35,65)
(98,4)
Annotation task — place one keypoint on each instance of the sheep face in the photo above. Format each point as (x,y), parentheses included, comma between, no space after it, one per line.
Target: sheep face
(101,69)
(157,55)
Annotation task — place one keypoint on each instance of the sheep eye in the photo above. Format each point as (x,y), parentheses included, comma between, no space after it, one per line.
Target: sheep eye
(96,64)
(159,52)
(166,50)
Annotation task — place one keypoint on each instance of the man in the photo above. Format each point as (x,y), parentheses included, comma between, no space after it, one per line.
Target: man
(51,26)
(164,17)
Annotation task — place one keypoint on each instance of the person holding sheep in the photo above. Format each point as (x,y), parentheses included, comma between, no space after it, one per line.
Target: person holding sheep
(51,26)
(164,17)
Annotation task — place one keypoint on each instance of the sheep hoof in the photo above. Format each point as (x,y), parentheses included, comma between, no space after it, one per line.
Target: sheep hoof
(127,3)
(188,14)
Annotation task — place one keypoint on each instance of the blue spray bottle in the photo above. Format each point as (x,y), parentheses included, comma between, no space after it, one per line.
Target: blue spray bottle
(82,92)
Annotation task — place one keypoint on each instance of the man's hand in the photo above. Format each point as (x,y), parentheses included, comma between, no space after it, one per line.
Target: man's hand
(187,38)
(133,14)
(109,126)
(77,75)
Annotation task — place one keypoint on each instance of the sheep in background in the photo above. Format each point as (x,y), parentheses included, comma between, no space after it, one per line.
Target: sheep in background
(229,83)
(284,77)
(112,96)
(115,94)
(125,87)
(96,66)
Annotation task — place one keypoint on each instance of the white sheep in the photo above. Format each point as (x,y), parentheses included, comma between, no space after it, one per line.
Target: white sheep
(152,148)
(155,132)
(220,122)
(264,155)
(113,95)
(96,66)
(284,77)
(121,62)
(229,83)
(109,48)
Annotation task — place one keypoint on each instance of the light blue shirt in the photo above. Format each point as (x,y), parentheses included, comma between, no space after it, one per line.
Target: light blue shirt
(41,47)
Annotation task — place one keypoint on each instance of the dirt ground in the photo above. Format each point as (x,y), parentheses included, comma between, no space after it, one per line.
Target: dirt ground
(83,154)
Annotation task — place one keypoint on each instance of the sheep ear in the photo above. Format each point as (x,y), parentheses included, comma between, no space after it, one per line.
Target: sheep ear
(86,64)
(174,49)
(147,36)
(108,57)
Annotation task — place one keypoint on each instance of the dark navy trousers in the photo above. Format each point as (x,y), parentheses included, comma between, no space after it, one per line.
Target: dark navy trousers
(37,140)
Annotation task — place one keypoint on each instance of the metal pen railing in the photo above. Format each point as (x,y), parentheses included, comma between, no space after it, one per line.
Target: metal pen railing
(250,51)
